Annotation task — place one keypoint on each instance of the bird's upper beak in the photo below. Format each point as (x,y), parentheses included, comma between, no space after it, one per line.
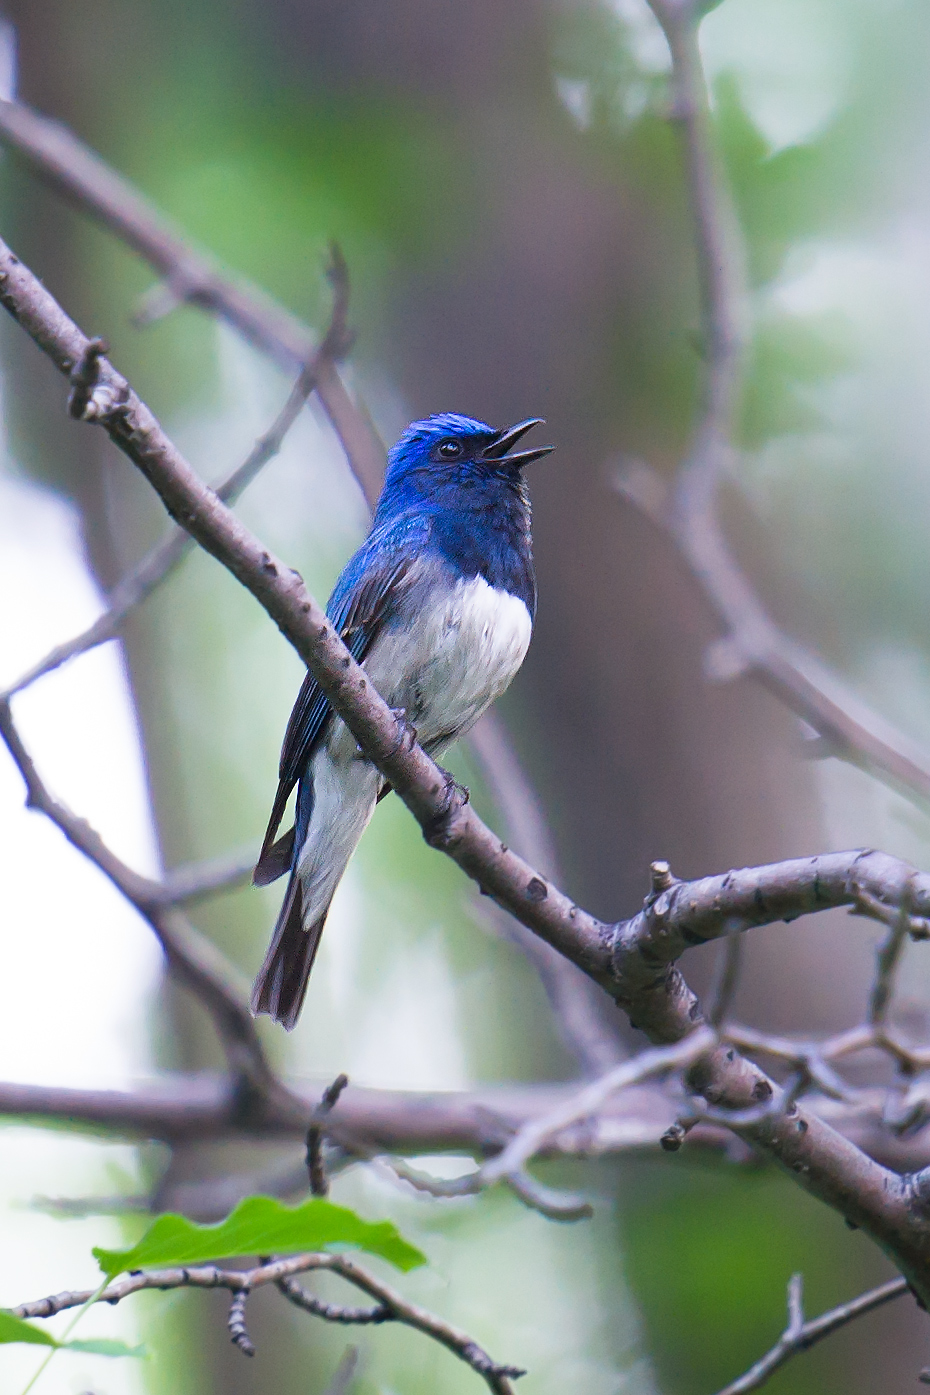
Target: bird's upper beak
(500,447)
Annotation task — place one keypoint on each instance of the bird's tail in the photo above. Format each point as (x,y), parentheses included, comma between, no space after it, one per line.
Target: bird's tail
(334,806)
(282,980)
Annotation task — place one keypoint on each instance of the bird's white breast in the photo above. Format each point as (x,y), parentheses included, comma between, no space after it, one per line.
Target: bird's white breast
(452,658)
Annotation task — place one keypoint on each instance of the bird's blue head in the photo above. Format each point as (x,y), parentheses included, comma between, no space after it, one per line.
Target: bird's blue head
(450,459)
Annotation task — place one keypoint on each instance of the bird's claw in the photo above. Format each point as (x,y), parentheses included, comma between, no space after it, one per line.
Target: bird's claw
(437,829)
(407,736)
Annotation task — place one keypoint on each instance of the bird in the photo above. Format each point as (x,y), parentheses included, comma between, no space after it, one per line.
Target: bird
(438,606)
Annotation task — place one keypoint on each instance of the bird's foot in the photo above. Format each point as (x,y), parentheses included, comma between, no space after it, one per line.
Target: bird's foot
(438,830)
(407,735)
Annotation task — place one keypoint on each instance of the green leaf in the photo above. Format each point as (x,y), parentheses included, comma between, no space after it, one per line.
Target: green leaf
(260,1225)
(14,1329)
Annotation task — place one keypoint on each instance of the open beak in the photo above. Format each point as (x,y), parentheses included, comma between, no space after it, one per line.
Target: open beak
(499,449)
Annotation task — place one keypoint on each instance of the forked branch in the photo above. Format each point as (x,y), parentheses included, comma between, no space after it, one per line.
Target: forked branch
(800,1336)
(633,961)
(391,1306)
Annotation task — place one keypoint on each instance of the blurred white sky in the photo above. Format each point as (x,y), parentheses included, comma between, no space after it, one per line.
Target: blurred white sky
(77,966)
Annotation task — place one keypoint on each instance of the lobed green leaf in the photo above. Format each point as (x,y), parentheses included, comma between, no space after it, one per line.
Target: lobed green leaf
(260,1225)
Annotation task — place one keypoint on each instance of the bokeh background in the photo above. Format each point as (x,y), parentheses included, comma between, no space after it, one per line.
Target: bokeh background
(508,196)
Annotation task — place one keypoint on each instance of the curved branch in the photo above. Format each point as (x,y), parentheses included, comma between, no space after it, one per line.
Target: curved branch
(280,1273)
(82,176)
(635,971)
(191,957)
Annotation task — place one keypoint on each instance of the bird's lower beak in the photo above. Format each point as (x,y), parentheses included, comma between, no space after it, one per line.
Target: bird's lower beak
(500,448)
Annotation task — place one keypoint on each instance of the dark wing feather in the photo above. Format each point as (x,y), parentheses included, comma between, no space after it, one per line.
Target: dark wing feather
(365,596)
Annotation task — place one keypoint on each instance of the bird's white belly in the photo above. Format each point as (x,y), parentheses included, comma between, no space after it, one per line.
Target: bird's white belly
(452,660)
(458,652)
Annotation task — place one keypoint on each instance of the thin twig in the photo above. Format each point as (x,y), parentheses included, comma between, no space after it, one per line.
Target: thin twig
(332,1312)
(344,1373)
(579,1008)
(509,1164)
(551,1202)
(316,1166)
(658,1061)
(800,1336)
(197,880)
(887,961)
(726,979)
(276,1272)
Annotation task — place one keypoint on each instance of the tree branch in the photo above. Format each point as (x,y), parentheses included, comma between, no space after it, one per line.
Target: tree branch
(579,1008)
(192,275)
(753,644)
(195,881)
(510,1162)
(632,964)
(192,959)
(280,1273)
(80,175)
(800,1336)
(185,1109)
(164,558)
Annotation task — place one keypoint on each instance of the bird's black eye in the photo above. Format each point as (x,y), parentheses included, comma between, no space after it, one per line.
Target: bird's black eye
(450,449)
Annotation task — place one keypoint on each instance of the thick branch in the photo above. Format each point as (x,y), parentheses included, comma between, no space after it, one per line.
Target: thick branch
(447,820)
(636,973)
(77,172)
(204,1107)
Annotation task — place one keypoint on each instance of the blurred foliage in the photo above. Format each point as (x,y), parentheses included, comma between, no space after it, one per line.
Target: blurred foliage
(712,1251)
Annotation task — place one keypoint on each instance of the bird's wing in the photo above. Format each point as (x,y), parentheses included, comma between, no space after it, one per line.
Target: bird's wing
(366,595)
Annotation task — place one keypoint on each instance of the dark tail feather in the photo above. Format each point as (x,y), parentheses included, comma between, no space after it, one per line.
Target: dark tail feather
(282,980)
(273,860)
(276,859)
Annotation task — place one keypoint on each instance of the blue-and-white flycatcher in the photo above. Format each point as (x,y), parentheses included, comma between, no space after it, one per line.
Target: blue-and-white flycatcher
(438,605)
